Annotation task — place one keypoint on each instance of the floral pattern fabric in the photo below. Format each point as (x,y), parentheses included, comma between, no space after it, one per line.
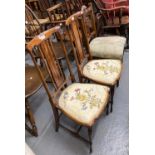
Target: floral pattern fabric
(84,102)
(108,47)
(105,71)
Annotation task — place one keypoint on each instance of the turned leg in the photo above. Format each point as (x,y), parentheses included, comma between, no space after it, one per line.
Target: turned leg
(31,119)
(112,96)
(90,138)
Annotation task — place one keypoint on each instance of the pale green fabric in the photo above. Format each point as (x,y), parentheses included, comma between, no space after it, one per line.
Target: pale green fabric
(108,47)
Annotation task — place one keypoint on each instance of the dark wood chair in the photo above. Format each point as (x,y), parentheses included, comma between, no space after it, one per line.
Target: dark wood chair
(82,103)
(32,84)
(101,71)
(114,15)
(39,7)
(33,24)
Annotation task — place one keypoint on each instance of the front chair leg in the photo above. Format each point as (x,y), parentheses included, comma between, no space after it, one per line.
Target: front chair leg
(112,96)
(90,138)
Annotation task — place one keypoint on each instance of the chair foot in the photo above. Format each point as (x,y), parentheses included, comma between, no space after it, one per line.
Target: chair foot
(90,139)
(118,83)
(112,96)
(107,109)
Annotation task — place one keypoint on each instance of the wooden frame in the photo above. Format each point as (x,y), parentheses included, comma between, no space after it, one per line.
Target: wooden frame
(60,82)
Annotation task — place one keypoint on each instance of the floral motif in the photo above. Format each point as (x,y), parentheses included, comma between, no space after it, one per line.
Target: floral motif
(85,98)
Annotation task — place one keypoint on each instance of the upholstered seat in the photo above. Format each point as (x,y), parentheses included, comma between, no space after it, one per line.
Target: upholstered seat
(108,47)
(105,71)
(84,102)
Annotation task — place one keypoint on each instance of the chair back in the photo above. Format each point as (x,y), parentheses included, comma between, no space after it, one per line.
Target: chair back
(90,21)
(74,6)
(112,12)
(58,13)
(77,30)
(44,45)
(32,25)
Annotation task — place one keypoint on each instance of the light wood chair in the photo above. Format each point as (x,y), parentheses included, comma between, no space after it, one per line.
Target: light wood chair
(82,103)
(101,71)
(102,46)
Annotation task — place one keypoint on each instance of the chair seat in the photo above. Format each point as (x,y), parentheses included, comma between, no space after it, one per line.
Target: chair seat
(105,71)
(84,102)
(108,47)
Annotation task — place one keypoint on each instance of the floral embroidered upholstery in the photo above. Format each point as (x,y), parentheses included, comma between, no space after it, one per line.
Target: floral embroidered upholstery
(84,102)
(108,47)
(105,71)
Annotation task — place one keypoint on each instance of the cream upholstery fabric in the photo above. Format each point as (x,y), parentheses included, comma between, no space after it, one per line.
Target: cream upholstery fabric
(106,70)
(84,102)
(108,47)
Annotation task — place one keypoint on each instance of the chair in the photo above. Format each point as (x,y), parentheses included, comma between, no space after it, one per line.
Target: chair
(82,103)
(33,25)
(39,7)
(102,47)
(114,15)
(32,84)
(101,71)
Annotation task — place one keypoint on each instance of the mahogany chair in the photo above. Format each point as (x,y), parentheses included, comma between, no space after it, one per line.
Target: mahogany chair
(101,71)
(61,11)
(82,103)
(39,7)
(32,84)
(104,46)
(114,15)
(58,13)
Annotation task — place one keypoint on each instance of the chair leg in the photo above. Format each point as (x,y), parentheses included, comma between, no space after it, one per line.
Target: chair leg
(117,83)
(112,96)
(56,115)
(90,138)
(31,119)
(107,109)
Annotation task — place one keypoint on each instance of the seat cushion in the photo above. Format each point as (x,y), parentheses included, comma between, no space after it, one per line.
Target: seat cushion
(108,47)
(84,102)
(106,71)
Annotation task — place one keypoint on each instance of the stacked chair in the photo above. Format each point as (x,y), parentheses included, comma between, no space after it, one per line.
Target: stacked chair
(99,62)
(115,16)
